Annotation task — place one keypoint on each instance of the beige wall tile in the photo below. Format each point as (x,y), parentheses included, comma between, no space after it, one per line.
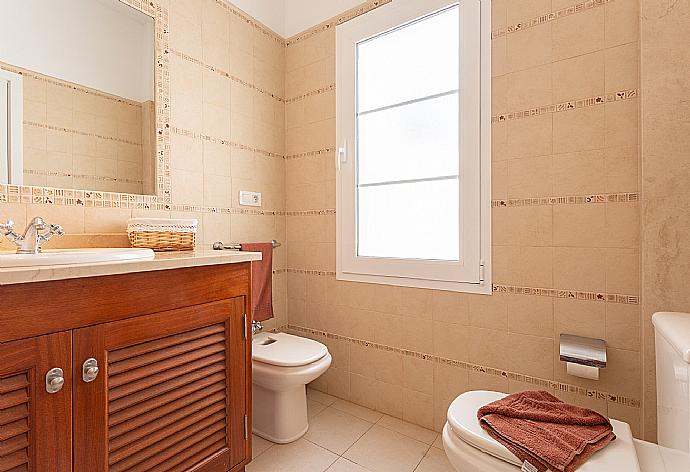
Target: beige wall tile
(529,48)
(578,34)
(579,77)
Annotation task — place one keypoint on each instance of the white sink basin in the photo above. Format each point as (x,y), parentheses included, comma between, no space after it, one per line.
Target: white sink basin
(73,256)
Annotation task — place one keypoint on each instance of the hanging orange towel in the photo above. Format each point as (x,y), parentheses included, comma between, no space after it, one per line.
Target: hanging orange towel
(262,280)
(544,431)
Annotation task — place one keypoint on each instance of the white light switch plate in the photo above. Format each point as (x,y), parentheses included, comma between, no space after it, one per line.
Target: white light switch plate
(250,198)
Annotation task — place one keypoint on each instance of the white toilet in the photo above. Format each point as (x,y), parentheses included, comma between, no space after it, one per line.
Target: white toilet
(470,449)
(282,366)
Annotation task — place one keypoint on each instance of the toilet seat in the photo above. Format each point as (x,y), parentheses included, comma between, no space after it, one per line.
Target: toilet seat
(464,426)
(286,350)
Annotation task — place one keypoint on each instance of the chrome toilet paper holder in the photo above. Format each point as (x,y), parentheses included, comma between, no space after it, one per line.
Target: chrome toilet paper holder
(583,357)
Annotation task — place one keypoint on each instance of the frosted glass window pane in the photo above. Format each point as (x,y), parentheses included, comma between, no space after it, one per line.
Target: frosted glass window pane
(413,61)
(409,221)
(413,141)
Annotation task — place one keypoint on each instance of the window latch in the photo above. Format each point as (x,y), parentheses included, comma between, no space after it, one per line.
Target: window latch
(341,156)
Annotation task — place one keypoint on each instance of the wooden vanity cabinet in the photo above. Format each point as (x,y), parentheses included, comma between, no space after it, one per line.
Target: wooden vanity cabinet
(172,389)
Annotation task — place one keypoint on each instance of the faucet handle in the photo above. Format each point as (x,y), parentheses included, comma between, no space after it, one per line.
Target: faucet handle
(56,229)
(53,230)
(7,227)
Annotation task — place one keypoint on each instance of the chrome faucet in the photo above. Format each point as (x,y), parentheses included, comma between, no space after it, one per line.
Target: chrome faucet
(257,327)
(30,242)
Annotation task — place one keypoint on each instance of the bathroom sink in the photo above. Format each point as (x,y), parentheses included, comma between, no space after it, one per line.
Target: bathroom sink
(73,256)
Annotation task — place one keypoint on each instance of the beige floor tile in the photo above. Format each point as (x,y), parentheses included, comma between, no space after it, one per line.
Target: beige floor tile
(259,446)
(336,430)
(408,429)
(435,460)
(299,456)
(314,408)
(359,411)
(344,465)
(438,442)
(383,450)
(320,397)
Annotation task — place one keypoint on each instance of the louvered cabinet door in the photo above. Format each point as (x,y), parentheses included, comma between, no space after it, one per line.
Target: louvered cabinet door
(170,393)
(35,426)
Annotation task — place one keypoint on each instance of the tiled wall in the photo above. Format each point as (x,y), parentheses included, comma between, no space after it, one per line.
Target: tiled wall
(666,171)
(76,137)
(566,226)
(225,134)
(247,112)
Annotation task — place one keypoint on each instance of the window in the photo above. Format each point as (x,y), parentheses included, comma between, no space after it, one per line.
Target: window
(413,195)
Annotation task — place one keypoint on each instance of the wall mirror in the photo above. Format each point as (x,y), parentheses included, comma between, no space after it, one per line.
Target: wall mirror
(77,96)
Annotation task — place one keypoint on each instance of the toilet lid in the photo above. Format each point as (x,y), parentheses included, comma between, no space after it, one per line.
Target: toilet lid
(462,418)
(286,350)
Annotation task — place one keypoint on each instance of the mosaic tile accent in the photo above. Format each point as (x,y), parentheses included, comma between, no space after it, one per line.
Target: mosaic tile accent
(81,133)
(538,382)
(568,200)
(337,20)
(570,294)
(310,212)
(225,74)
(515,290)
(224,142)
(319,152)
(548,17)
(97,199)
(311,93)
(80,176)
(322,273)
(567,106)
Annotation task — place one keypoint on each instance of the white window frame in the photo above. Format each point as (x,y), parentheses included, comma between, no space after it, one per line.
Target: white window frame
(11,128)
(473,272)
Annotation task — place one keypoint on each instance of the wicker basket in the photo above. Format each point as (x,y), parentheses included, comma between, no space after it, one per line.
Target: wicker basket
(162,234)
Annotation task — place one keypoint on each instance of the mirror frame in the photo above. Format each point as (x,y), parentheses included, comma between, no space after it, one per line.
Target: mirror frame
(10,193)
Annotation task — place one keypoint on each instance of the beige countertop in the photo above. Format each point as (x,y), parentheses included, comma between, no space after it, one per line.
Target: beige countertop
(162,261)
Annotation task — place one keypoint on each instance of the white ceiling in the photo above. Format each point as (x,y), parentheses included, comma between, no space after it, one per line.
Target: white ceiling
(289,17)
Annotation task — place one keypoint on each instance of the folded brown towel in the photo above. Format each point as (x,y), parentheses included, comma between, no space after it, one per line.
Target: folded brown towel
(544,431)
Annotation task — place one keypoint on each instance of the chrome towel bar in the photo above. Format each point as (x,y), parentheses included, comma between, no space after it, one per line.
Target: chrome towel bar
(219,246)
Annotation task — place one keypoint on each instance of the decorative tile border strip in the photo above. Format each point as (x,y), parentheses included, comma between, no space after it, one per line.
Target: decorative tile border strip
(515,290)
(337,20)
(80,176)
(547,17)
(310,212)
(230,8)
(569,294)
(322,273)
(224,142)
(80,133)
(311,93)
(568,200)
(21,194)
(225,74)
(567,106)
(68,85)
(319,152)
(540,382)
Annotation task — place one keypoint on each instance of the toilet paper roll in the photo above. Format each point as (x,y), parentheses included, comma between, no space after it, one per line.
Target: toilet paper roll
(584,371)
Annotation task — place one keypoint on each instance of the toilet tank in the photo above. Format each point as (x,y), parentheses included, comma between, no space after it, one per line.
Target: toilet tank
(672,337)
